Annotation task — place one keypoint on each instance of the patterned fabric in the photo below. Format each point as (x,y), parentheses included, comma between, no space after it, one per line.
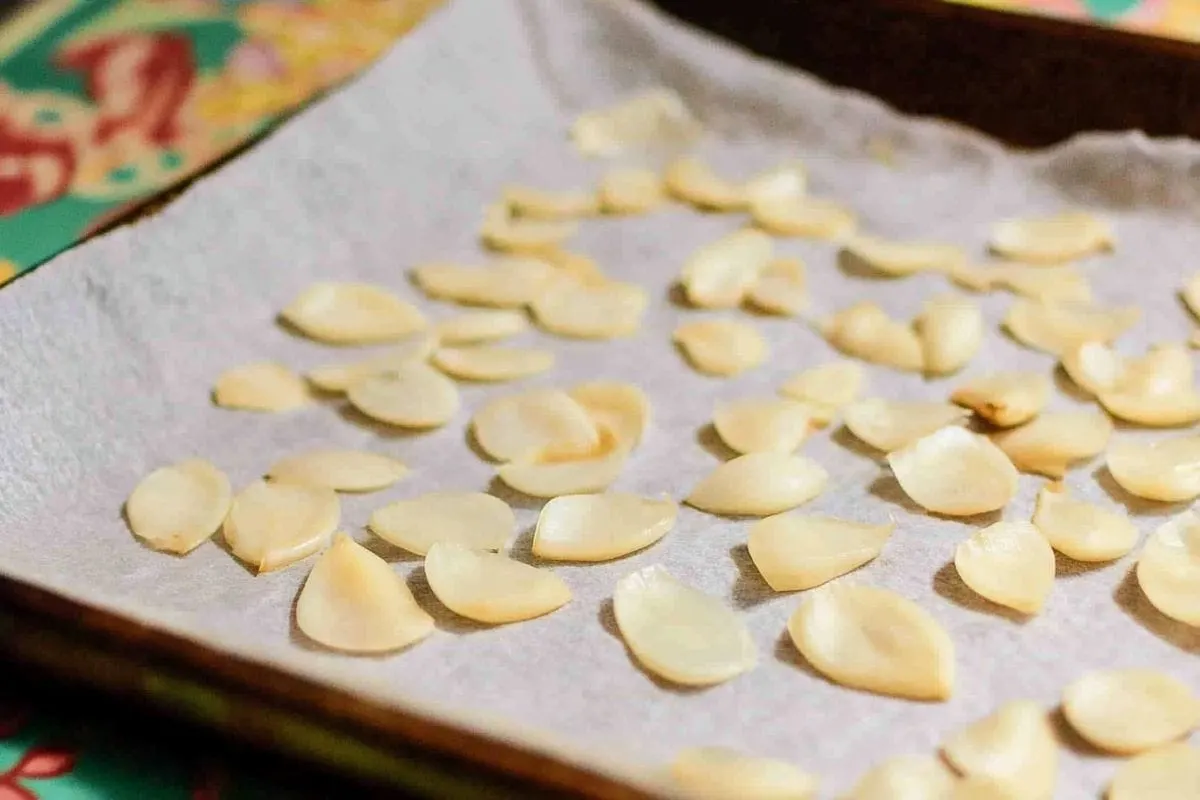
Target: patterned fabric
(1175,19)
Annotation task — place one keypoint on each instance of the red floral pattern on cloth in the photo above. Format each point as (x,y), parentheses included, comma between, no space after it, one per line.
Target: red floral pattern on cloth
(39,762)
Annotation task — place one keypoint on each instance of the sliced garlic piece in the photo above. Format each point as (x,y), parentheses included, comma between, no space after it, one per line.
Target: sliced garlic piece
(605,311)
(490,587)
(825,389)
(869,638)
(1168,570)
(719,274)
(1005,399)
(780,288)
(691,181)
(1164,369)
(352,313)
(905,778)
(1094,366)
(799,552)
(1080,530)
(340,470)
(759,484)
(485,325)
(271,525)
(715,773)
(526,201)
(1174,409)
(679,633)
(1064,283)
(778,183)
(601,527)
(506,283)
(353,601)
(651,119)
(888,425)
(622,408)
(1009,563)
(1128,711)
(631,191)
(1167,773)
(1052,239)
(553,475)
(177,508)
(809,217)
(865,331)
(981,787)
(1167,470)
(505,233)
(899,258)
(1014,745)
(721,347)
(951,331)
(1054,326)
(472,519)
(955,472)
(582,269)
(762,425)
(527,425)
(413,396)
(1191,294)
(337,378)
(261,386)
(1049,444)
(492,363)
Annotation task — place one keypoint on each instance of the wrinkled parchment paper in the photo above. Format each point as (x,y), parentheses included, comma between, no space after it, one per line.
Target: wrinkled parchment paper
(110,353)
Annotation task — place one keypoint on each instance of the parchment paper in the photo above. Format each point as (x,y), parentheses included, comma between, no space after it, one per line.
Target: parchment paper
(110,353)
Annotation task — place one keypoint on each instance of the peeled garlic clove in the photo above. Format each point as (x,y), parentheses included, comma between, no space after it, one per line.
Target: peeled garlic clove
(799,552)
(606,311)
(485,325)
(1054,326)
(490,363)
(762,425)
(679,633)
(340,470)
(1094,366)
(778,183)
(1015,745)
(490,587)
(507,283)
(780,288)
(899,258)
(631,191)
(1005,398)
(888,425)
(719,274)
(690,180)
(1052,239)
(825,389)
(864,331)
(262,386)
(1168,570)
(1009,563)
(1050,443)
(554,475)
(1167,470)
(412,396)
(1191,294)
(582,269)
(271,525)
(872,639)
(655,118)
(955,472)
(981,787)
(1081,530)
(721,347)
(526,201)
(505,233)
(1167,773)
(1174,409)
(526,425)
(338,378)
(472,519)
(352,313)
(719,774)
(809,217)
(951,331)
(759,484)
(601,527)
(622,408)
(905,778)
(353,601)
(1164,369)
(1064,283)
(177,508)
(1128,711)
